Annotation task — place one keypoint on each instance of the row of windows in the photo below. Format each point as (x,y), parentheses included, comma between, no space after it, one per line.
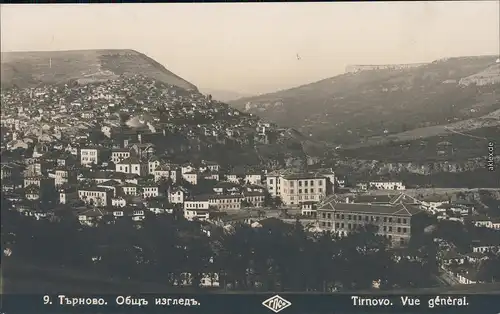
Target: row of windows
(354,226)
(99,194)
(195,205)
(305,182)
(89,158)
(231,200)
(125,168)
(313,197)
(306,191)
(366,218)
(127,154)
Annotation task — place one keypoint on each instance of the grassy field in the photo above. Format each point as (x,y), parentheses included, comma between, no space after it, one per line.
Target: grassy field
(446,147)
(465,129)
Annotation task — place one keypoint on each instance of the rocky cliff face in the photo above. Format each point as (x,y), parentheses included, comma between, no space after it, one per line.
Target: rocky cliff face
(377,167)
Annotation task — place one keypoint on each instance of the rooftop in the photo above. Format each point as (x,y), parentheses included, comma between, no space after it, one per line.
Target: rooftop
(395,209)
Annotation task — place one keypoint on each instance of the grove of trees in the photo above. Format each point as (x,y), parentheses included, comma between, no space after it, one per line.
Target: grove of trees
(275,257)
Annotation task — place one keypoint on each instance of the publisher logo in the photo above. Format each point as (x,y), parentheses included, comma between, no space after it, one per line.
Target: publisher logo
(276,303)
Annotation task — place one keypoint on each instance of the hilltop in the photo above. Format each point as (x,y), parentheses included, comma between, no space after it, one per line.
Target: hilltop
(31,69)
(375,103)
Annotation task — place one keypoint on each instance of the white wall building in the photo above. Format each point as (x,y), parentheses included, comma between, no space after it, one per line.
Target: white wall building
(387,185)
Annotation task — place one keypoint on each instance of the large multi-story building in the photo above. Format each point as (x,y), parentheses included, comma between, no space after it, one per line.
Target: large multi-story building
(298,188)
(97,196)
(226,202)
(394,221)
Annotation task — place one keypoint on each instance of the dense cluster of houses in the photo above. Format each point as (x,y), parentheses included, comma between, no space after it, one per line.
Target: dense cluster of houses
(53,162)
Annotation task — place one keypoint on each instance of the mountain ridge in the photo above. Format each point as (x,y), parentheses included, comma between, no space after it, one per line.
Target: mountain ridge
(34,68)
(350,107)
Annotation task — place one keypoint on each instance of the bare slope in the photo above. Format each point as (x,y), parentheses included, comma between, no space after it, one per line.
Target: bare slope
(27,69)
(351,107)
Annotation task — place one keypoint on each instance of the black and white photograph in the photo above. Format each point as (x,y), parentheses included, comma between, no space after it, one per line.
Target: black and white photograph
(271,150)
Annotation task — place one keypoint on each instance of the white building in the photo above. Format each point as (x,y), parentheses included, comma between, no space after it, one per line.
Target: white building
(191,177)
(197,208)
(97,196)
(89,156)
(118,155)
(176,195)
(273,184)
(387,185)
(132,165)
(298,188)
(253,178)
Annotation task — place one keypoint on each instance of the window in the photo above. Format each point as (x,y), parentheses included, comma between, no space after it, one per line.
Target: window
(320,183)
(270,181)
(342,225)
(349,226)
(377,219)
(291,191)
(349,217)
(320,190)
(385,219)
(360,218)
(390,229)
(300,183)
(323,224)
(312,190)
(399,220)
(337,216)
(342,216)
(366,218)
(399,229)
(312,182)
(329,216)
(300,191)
(305,191)
(323,215)
(305,183)
(329,224)
(404,230)
(390,219)
(385,228)
(291,184)
(404,221)
(337,225)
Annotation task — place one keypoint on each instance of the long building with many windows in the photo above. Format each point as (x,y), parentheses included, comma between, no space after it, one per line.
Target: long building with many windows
(394,221)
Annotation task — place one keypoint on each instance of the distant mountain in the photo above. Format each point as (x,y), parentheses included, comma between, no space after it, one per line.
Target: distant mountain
(379,101)
(223,95)
(29,69)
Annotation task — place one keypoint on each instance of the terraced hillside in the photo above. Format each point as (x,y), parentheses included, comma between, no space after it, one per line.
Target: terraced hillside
(29,69)
(354,107)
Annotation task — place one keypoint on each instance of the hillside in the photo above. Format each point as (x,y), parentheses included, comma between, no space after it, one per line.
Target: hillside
(184,125)
(30,69)
(357,106)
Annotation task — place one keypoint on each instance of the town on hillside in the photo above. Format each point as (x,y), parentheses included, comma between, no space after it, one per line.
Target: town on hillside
(103,157)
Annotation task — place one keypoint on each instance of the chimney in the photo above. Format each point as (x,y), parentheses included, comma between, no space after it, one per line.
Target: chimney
(347,200)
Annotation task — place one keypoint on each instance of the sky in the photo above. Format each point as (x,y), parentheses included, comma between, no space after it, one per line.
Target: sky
(252,48)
